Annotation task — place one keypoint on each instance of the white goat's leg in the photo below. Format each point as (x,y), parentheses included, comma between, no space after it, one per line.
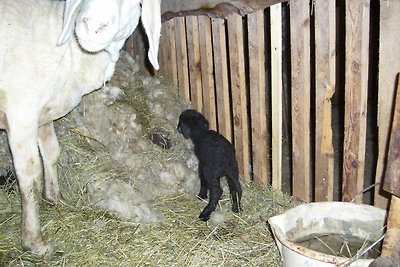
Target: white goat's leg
(50,151)
(22,136)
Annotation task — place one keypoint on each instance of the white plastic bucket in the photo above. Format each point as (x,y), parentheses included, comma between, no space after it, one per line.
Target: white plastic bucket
(358,220)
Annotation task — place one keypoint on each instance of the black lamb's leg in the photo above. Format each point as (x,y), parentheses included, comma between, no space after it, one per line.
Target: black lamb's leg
(235,190)
(203,185)
(215,195)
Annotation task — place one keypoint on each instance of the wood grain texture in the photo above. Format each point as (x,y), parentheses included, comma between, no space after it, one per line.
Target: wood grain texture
(389,66)
(182,59)
(325,59)
(172,61)
(356,88)
(193,45)
(213,8)
(301,78)
(224,108)
(256,39)
(276,94)
(239,95)
(207,71)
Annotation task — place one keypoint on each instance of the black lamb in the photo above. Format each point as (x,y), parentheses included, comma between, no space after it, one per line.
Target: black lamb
(216,157)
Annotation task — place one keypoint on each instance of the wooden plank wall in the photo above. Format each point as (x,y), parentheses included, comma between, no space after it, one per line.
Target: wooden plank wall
(231,70)
(212,77)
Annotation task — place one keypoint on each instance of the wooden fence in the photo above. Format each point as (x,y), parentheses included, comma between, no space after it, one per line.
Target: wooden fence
(296,88)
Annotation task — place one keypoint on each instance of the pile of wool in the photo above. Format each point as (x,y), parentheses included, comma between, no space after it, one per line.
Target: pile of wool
(128,118)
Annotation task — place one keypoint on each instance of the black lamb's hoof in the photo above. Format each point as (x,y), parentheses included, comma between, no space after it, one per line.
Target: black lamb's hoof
(204,217)
(202,196)
(237,209)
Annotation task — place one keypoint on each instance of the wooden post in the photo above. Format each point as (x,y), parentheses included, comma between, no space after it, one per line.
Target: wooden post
(301,79)
(182,59)
(193,43)
(207,71)
(276,94)
(238,87)
(392,173)
(389,65)
(261,165)
(392,237)
(391,244)
(221,78)
(325,58)
(356,93)
(392,180)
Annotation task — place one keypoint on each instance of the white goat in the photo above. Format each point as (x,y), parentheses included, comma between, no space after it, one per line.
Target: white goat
(45,71)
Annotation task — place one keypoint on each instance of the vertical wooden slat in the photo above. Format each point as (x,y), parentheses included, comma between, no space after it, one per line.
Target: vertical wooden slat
(239,98)
(182,59)
(325,58)
(221,78)
(356,93)
(391,182)
(301,83)
(164,47)
(389,65)
(207,71)
(276,94)
(193,43)
(173,71)
(257,97)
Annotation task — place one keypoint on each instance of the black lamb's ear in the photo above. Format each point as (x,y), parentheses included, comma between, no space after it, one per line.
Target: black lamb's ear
(185,130)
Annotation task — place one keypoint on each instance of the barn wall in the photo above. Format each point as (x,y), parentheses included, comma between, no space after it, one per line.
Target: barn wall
(295,88)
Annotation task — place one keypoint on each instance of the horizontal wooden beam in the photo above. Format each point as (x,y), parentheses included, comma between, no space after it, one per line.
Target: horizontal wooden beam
(213,8)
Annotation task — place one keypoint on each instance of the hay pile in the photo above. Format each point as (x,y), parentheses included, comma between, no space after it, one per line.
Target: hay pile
(130,202)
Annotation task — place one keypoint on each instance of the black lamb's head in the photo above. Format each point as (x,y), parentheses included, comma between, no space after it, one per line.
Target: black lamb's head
(191,122)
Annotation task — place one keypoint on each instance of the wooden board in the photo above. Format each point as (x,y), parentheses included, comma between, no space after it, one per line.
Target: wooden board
(239,98)
(170,9)
(164,67)
(207,71)
(389,66)
(325,87)
(301,78)
(276,94)
(173,70)
(193,45)
(356,88)
(261,163)
(182,60)
(221,78)
(391,182)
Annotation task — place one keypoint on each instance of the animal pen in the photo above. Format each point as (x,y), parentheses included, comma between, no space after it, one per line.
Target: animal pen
(304,89)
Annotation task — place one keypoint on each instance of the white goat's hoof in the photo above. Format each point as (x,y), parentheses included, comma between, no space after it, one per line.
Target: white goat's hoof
(53,198)
(39,248)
